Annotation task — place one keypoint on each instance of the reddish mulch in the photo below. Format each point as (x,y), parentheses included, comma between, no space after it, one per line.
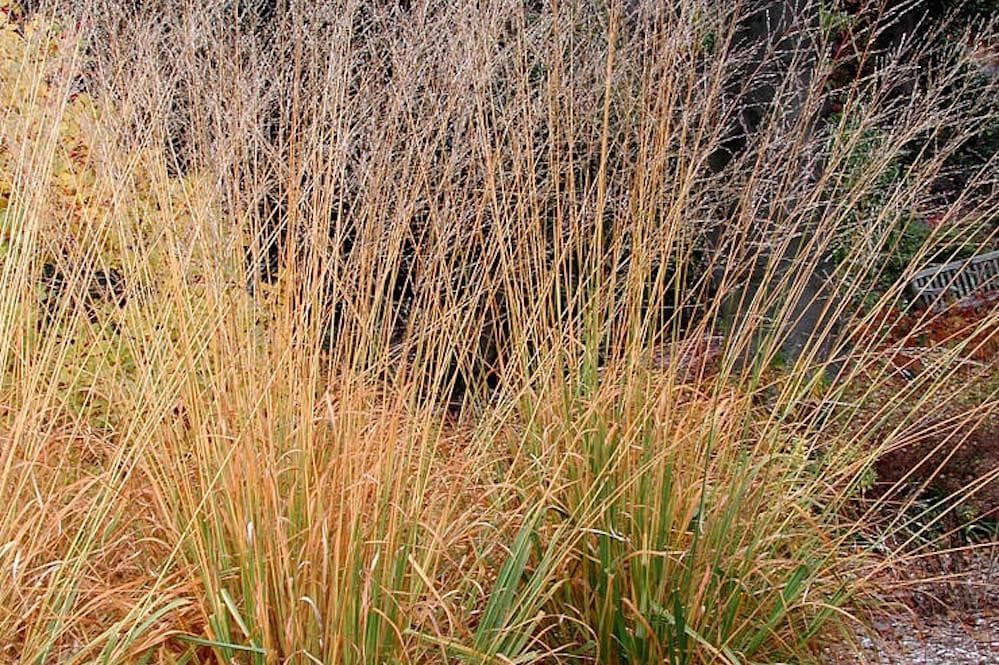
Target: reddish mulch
(949,462)
(944,457)
(923,328)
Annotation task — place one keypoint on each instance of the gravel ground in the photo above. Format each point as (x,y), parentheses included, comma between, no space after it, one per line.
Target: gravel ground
(907,640)
(935,623)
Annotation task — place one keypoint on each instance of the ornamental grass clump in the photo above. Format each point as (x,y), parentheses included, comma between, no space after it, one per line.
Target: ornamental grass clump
(427,331)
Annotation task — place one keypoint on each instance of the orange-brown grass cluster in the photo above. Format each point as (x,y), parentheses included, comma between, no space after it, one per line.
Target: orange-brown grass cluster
(371,332)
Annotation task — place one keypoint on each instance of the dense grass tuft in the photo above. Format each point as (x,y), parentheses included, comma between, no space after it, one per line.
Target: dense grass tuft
(386,332)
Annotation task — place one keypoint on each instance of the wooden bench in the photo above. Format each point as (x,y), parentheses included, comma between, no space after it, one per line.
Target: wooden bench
(937,285)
